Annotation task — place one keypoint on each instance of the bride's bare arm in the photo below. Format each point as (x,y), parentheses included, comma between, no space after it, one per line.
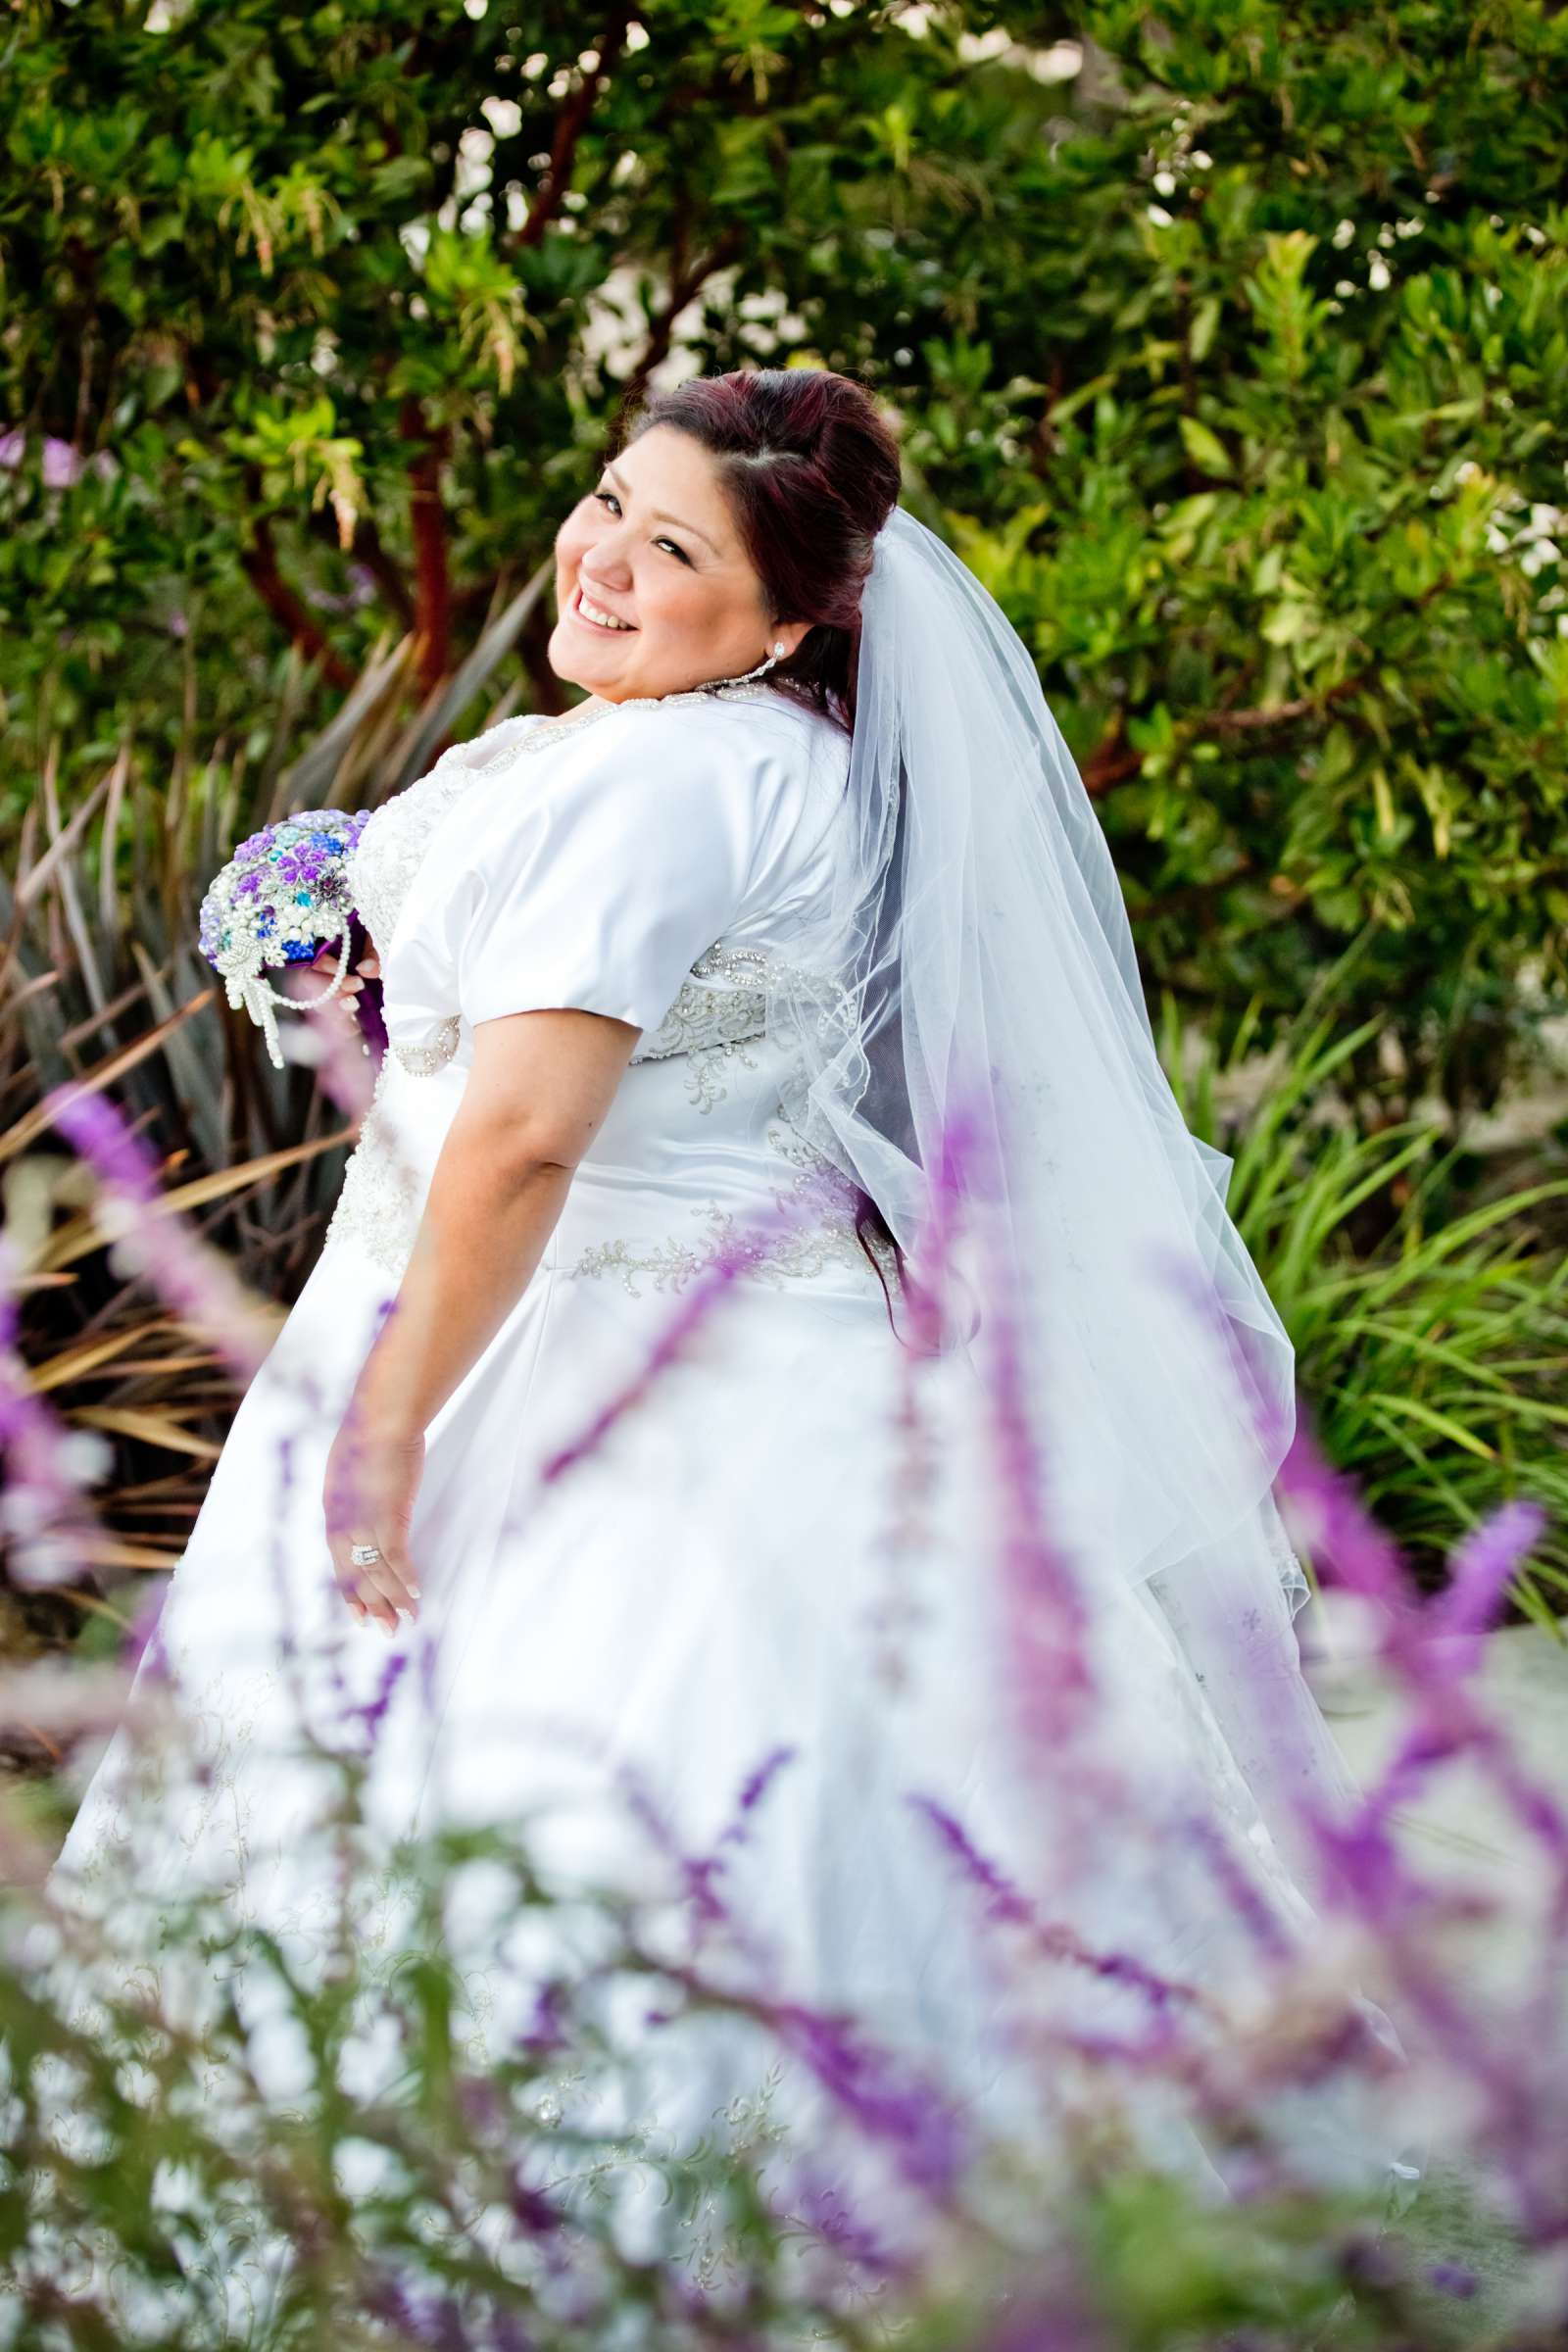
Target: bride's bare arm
(536,1094)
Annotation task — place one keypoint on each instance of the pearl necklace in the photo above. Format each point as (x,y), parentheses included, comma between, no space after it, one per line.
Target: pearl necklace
(551,730)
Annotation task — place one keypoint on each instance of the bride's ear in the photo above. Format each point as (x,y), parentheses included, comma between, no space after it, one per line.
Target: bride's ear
(787,633)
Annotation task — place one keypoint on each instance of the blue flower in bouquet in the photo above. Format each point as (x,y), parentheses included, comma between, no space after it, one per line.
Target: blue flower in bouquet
(282,897)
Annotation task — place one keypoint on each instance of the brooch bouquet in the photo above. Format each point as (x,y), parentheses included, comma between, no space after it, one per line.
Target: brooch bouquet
(282,898)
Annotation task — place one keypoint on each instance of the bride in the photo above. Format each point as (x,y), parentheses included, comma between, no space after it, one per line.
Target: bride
(777,1350)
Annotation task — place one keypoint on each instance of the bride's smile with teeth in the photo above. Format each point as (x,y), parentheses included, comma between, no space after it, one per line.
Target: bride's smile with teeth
(586,609)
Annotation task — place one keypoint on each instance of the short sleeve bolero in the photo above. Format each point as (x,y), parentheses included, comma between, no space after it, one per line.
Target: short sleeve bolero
(591,871)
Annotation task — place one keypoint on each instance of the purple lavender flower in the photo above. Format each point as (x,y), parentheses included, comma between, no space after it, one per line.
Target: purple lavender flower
(193,1280)
(63,460)
(44,1514)
(1008,1906)
(899,2105)
(372,1713)
(756,1787)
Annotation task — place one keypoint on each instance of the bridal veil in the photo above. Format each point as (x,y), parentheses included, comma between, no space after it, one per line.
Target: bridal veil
(993,987)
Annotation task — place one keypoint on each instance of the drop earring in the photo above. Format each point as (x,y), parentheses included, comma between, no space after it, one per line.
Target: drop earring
(777,655)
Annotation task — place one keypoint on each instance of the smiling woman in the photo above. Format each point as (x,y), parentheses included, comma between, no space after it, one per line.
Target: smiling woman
(730,533)
(656,592)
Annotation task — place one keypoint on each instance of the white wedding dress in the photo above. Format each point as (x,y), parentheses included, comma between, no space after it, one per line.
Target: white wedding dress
(762,1578)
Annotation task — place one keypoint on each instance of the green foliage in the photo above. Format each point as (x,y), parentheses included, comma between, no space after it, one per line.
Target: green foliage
(1228,344)
(1430,1328)
(1287,521)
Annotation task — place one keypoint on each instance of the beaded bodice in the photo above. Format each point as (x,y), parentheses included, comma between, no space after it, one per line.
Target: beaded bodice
(715,1006)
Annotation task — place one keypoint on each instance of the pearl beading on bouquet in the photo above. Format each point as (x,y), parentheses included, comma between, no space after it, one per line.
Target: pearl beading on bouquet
(282,898)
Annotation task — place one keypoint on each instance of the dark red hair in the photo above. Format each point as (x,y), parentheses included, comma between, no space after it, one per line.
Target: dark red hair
(811,469)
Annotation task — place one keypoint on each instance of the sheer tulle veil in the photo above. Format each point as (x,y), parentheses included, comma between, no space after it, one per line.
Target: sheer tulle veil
(991,980)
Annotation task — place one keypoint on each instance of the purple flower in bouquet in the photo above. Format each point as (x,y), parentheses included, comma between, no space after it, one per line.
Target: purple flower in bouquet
(282,897)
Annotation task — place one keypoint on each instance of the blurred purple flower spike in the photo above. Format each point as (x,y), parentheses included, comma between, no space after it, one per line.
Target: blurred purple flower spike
(193,1280)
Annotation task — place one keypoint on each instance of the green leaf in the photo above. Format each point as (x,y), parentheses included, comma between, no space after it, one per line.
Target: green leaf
(1204,448)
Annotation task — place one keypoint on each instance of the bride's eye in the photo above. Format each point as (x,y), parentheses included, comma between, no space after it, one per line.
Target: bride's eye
(608,498)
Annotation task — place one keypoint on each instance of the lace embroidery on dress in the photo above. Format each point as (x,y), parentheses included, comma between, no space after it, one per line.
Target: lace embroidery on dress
(387,855)
(189,1801)
(378,1204)
(709,1011)
(193,1770)
(707,1067)
(422,1061)
(715,1020)
(202,1807)
(720,1012)
(804,1248)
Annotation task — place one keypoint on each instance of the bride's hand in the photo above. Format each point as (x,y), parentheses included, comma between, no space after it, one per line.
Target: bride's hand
(372,1477)
(325,962)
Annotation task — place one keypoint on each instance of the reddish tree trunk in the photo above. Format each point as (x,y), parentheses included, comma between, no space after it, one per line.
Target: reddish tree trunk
(432,582)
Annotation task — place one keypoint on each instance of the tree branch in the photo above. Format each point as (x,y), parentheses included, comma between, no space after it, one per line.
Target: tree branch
(1274,714)
(571,124)
(261,566)
(432,582)
(1113,762)
(684,288)
(1110,762)
(366,548)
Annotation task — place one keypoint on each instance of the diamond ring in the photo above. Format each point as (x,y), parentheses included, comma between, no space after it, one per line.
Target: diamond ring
(365,1555)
